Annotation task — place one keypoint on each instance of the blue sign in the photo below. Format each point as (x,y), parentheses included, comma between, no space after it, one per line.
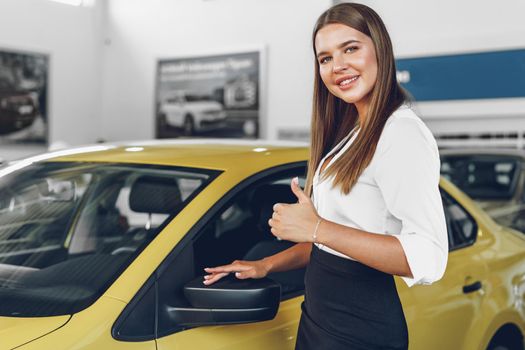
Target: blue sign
(496,74)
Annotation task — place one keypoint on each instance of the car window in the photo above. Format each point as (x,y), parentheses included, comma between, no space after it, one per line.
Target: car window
(461,227)
(482,177)
(198,98)
(176,99)
(241,232)
(237,231)
(67,229)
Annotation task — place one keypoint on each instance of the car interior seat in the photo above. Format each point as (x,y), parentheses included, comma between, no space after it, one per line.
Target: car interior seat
(150,195)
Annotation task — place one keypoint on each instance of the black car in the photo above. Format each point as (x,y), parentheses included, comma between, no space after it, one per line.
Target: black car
(494,178)
(18,108)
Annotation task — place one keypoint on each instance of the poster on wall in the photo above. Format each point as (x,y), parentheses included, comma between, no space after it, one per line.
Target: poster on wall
(23,97)
(209,96)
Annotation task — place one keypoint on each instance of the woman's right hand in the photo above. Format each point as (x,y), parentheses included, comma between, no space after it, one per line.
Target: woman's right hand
(242,269)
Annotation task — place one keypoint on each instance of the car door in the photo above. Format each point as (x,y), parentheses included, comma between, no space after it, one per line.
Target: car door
(441,315)
(238,230)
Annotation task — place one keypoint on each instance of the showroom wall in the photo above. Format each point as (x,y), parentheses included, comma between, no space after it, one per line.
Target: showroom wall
(71,37)
(448,27)
(103,57)
(433,27)
(140,32)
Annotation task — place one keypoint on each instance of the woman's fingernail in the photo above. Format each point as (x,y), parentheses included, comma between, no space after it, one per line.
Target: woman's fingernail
(237,274)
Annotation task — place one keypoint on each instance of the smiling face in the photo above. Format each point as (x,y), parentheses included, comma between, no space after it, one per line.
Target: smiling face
(347,63)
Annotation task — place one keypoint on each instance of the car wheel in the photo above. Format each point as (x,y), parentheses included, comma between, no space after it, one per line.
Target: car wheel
(502,343)
(188,127)
(500,347)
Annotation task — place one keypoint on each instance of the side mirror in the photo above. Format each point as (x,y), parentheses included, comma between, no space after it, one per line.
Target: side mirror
(228,301)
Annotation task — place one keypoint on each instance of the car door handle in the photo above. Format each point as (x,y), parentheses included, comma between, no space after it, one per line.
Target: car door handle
(472,287)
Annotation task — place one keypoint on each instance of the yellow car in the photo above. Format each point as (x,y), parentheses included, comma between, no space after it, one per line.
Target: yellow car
(104,247)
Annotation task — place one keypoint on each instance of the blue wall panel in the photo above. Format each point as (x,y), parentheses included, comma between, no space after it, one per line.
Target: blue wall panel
(497,74)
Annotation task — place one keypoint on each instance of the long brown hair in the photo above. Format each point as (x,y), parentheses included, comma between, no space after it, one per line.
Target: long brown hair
(333,118)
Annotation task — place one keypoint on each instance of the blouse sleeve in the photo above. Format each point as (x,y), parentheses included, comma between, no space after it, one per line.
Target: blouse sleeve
(407,175)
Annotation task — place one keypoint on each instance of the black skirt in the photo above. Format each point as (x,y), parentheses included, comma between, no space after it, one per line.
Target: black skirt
(349,306)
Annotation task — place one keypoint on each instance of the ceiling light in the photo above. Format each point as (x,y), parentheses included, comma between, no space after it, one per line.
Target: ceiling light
(70,2)
(134,149)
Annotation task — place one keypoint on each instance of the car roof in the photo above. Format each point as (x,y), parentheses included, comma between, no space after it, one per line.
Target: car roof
(514,152)
(222,154)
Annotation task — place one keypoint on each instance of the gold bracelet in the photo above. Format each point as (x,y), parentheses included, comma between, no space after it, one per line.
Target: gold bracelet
(314,236)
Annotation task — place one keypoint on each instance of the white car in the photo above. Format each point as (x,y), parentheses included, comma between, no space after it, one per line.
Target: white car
(191,112)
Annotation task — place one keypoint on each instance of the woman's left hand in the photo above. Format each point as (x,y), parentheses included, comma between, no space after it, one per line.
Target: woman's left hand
(294,222)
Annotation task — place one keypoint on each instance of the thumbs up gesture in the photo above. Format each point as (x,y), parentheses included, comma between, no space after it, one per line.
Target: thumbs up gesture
(294,222)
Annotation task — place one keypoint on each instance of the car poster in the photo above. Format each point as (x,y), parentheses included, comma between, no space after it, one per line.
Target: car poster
(23,97)
(211,96)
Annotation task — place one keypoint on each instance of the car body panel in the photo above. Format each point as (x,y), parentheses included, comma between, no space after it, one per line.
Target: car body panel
(15,331)
(89,329)
(445,309)
(279,333)
(204,154)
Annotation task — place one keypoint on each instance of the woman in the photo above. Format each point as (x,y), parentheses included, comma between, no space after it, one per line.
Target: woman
(371,208)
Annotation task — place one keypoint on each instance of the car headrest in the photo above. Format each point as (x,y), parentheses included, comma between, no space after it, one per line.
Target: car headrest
(264,199)
(154,194)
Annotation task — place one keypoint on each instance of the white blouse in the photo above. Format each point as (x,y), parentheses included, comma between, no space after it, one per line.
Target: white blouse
(397,194)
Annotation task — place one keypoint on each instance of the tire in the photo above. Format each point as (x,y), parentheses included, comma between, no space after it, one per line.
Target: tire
(188,128)
(499,347)
(503,343)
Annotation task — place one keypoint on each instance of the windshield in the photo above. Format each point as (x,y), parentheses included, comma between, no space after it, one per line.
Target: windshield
(482,177)
(68,229)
